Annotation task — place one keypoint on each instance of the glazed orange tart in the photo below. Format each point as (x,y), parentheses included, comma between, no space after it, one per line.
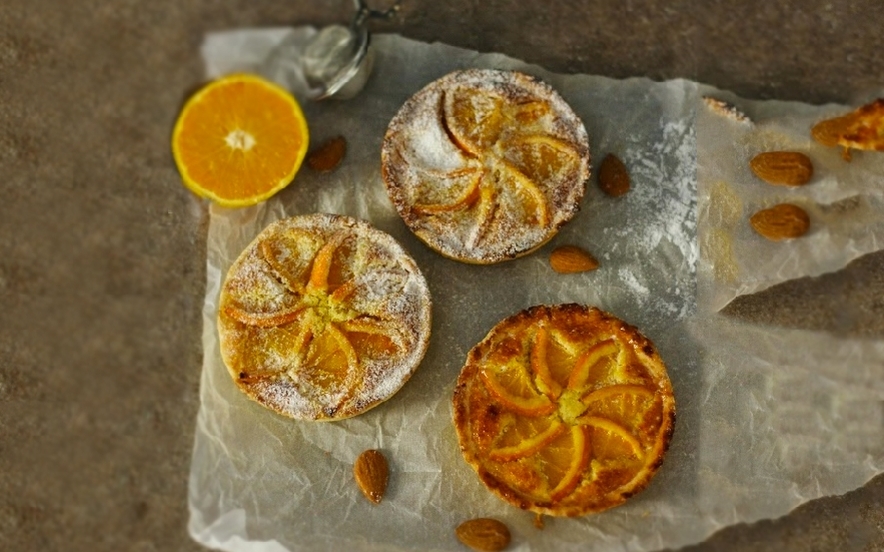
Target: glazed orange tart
(485,165)
(323,317)
(564,410)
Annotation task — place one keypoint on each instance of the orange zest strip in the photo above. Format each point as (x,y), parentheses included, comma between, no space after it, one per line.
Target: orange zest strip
(587,360)
(615,428)
(617,390)
(533,190)
(545,382)
(579,461)
(528,446)
(264,320)
(538,405)
(321,266)
(284,275)
(467,198)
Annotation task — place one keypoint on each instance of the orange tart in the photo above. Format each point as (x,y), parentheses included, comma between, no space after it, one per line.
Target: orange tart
(323,317)
(564,410)
(485,165)
(861,129)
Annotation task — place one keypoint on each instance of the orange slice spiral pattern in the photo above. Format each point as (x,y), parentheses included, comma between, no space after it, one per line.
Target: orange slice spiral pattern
(323,317)
(564,410)
(486,165)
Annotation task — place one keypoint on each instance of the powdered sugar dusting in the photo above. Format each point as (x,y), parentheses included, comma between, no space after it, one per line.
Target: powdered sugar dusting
(657,247)
(431,157)
(385,290)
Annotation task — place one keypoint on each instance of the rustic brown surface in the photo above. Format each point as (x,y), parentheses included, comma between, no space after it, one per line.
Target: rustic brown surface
(102,251)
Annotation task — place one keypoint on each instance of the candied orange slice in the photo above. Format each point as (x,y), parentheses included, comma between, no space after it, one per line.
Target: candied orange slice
(522,400)
(484,165)
(861,129)
(239,140)
(529,438)
(323,317)
(564,410)
(462,200)
(474,118)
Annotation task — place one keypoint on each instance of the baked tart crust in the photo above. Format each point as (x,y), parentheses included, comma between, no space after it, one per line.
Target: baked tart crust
(323,317)
(485,165)
(564,410)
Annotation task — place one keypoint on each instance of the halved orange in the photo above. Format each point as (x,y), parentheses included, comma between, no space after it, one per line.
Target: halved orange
(239,140)
(564,410)
(323,317)
(485,165)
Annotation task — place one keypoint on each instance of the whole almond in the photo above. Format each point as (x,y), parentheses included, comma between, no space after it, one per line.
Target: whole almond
(371,472)
(781,222)
(613,176)
(568,259)
(782,168)
(327,155)
(829,132)
(484,534)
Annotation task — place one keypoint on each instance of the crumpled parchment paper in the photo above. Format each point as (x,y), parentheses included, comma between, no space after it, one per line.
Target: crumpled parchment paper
(767,418)
(845,201)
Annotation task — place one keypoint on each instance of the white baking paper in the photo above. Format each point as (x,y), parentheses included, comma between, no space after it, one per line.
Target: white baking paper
(845,200)
(767,418)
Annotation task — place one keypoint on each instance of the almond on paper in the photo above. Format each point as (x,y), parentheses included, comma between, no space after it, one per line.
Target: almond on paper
(781,222)
(782,168)
(328,155)
(371,472)
(613,176)
(484,534)
(569,259)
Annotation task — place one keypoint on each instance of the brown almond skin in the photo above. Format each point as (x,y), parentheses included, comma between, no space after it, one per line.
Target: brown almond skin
(782,168)
(613,176)
(829,132)
(781,222)
(569,259)
(372,472)
(328,155)
(484,534)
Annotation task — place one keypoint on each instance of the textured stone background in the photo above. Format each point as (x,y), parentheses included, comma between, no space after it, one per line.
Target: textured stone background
(102,249)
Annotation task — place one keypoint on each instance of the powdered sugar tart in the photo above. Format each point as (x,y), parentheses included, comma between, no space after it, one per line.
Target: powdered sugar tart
(564,410)
(323,317)
(485,165)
